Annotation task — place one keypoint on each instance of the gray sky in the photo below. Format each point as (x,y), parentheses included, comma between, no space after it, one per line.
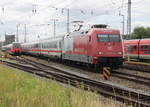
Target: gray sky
(20,12)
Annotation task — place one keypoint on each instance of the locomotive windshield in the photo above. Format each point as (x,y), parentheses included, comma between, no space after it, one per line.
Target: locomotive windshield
(16,45)
(108,38)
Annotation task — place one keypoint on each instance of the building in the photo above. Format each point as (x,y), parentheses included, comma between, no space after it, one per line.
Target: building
(1,44)
(9,39)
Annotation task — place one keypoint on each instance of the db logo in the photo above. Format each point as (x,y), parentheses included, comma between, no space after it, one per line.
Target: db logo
(110,48)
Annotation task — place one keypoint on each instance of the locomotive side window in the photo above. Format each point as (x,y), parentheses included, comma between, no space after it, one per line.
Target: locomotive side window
(131,49)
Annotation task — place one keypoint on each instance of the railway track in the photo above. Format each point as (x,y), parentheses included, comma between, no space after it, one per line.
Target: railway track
(132,77)
(139,66)
(120,93)
(122,75)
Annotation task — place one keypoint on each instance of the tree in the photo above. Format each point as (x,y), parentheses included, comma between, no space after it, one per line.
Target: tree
(148,32)
(140,32)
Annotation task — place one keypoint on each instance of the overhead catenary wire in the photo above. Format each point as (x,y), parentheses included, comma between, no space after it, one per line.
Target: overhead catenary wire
(50,6)
(41,8)
(113,2)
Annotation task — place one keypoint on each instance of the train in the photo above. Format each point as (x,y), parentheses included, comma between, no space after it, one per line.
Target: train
(138,49)
(97,47)
(14,48)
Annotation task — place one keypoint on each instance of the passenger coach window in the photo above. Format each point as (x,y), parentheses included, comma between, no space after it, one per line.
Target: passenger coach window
(131,49)
(146,49)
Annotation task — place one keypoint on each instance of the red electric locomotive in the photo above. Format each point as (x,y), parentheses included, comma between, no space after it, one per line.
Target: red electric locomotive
(98,46)
(137,49)
(14,48)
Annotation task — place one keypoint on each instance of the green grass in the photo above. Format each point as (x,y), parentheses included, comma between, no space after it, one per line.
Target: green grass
(19,89)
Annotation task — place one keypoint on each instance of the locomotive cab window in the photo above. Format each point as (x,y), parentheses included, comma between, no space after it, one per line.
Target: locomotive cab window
(102,38)
(16,45)
(108,38)
(114,38)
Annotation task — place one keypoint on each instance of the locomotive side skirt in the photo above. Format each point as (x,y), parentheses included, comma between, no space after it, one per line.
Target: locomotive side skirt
(77,57)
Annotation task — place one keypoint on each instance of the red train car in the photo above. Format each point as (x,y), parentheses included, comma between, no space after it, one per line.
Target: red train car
(137,49)
(14,48)
(98,46)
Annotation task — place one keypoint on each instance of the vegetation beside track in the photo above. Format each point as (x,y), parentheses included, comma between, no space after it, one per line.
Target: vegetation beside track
(19,89)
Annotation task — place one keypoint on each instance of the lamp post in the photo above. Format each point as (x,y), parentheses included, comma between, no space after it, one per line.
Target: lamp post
(129,19)
(68,21)
(1,23)
(25,33)
(54,26)
(68,17)
(122,23)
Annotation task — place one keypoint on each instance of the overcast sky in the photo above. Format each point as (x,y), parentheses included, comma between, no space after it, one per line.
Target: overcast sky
(38,15)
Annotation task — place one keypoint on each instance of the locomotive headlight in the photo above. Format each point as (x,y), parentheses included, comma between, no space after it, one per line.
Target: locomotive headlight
(120,53)
(100,53)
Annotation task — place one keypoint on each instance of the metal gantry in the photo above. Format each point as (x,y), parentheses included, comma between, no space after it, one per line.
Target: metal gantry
(129,20)
(122,22)
(54,26)
(25,33)
(17,33)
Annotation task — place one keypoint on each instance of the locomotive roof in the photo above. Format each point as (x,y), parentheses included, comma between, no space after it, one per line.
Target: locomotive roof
(89,31)
(104,30)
